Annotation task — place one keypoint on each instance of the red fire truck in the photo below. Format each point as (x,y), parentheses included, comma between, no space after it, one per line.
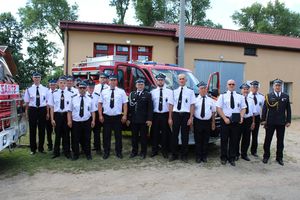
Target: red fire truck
(129,72)
(13,124)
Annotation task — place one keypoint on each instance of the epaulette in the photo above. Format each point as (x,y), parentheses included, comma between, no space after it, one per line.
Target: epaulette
(55,90)
(71,91)
(261,94)
(96,93)
(238,93)
(225,92)
(90,96)
(74,95)
(189,87)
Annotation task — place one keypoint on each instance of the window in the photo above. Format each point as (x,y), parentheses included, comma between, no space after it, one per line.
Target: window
(122,48)
(103,50)
(100,54)
(102,47)
(250,51)
(286,88)
(143,58)
(142,53)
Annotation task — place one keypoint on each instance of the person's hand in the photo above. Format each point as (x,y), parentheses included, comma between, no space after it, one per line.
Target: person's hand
(190,121)
(70,124)
(124,119)
(26,114)
(93,124)
(47,116)
(127,122)
(226,120)
(213,126)
(252,126)
(53,123)
(149,123)
(263,123)
(170,122)
(101,118)
(288,124)
(241,120)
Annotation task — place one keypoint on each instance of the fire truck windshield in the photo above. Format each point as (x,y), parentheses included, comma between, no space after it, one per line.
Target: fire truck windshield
(172,80)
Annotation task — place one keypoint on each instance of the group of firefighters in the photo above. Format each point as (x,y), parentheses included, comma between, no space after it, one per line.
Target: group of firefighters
(76,109)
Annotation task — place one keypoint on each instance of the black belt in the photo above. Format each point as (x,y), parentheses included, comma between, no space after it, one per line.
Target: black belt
(181,113)
(33,107)
(203,120)
(60,113)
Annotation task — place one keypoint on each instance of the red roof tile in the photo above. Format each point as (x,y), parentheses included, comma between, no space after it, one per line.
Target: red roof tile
(235,37)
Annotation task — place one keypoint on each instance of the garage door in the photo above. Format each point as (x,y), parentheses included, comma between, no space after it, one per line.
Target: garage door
(228,70)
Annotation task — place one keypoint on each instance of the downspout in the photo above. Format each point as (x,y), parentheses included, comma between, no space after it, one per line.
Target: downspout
(67,51)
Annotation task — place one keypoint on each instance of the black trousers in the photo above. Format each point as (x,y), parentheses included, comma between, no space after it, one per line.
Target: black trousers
(61,133)
(160,132)
(37,119)
(180,125)
(202,131)
(112,123)
(229,137)
(139,134)
(49,130)
(280,129)
(244,137)
(254,134)
(81,130)
(96,130)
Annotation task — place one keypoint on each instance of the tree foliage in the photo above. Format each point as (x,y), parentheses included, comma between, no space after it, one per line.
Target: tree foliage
(46,15)
(121,8)
(274,18)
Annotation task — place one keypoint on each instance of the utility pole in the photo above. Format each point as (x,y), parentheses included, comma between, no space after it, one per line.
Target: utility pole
(181,34)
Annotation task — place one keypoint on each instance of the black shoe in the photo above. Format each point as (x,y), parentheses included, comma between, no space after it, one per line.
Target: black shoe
(32,152)
(246,158)
(198,160)
(165,155)
(98,152)
(105,156)
(265,160)
(143,156)
(254,154)
(232,163)
(55,156)
(280,162)
(204,160)
(132,155)
(223,162)
(237,158)
(75,158)
(173,158)
(89,157)
(184,158)
(153,154)
(119,155)
(68,156)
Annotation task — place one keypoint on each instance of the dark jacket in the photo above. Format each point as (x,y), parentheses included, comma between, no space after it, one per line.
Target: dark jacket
(140,108)
(277,110)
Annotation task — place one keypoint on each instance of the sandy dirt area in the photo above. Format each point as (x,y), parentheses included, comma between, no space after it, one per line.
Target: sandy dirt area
(248,180)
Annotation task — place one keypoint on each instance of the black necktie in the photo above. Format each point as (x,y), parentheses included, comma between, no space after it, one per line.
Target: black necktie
(112,101)
(180,100)
(231,101)
(203,107)
(160,104)
(37,100)
(81,111)
(277,94)
(62,101)
(247,109)
(255,99)
(102,85)
(69,89)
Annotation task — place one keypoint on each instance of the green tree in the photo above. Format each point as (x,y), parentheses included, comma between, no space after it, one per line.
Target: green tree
(11,36)
(274,18)
(41,54)
(46,15)
(121,8)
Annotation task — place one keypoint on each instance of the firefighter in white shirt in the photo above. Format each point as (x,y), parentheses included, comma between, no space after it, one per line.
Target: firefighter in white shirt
(81,117)
(70,85)
(204,122)
(182,119)
(59,103)
(259,100)
(103,78)
(247,125)
(35,99)
(112,102)
(162,98)
(231,108)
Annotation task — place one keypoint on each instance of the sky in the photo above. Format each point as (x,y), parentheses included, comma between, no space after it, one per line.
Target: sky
(100,11)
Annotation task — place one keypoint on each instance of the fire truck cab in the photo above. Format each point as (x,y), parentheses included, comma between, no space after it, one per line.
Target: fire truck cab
(128,73)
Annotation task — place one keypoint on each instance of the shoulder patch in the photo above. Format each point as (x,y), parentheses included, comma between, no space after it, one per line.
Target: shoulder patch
(74,95)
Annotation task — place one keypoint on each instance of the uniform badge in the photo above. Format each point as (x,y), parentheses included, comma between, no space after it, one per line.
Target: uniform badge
(260,104)
(166,99)
(238,105)
(88,108)
(186,101)
(67,102)
(44,98)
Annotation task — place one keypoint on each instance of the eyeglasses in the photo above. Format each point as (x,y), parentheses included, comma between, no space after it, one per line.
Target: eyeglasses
(231,84)
(182,79)
(82,88)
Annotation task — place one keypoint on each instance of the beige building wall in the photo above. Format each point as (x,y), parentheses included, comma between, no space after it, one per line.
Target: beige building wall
(81,45)
(266,66)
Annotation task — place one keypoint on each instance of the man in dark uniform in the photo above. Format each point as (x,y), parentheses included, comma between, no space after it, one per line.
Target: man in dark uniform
(35,99)
(276,115)
(140,112)
(49,128)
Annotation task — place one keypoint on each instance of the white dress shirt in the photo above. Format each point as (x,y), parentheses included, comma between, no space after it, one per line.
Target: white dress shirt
(224,103)
(260,102)
(98,87)
(73,90)
(30,95)
(188,98)
(210,107)
(75,107)
(95,96)
(251,107)
(167,95)
(120,98)
(55,97)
